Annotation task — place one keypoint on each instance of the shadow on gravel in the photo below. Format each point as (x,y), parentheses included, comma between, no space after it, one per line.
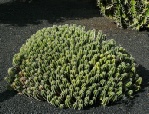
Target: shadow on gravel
(21,14)
(6,95)
(144,73)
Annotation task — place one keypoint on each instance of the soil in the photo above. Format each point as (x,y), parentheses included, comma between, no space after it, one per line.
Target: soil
(18,21)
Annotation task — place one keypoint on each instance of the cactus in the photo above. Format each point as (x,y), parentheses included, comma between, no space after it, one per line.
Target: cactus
(73,68)
(126,13)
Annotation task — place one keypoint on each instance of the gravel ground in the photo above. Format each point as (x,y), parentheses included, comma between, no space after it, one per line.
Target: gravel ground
(19,21)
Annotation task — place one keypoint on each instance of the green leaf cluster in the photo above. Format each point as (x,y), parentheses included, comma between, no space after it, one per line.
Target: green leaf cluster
(71,67)
(126,13)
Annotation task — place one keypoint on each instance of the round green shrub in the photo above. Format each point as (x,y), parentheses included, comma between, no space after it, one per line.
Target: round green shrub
(71,67)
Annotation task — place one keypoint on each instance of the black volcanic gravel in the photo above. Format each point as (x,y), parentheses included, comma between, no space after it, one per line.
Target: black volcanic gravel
(18,21)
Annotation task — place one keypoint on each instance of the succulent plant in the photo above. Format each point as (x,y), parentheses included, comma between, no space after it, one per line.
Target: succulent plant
(126,13)
(71,67)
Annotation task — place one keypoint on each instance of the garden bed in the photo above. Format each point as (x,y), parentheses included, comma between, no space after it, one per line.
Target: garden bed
(19,21)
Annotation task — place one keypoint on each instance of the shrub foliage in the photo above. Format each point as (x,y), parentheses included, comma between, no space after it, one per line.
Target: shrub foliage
(126,13)
(71,67)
